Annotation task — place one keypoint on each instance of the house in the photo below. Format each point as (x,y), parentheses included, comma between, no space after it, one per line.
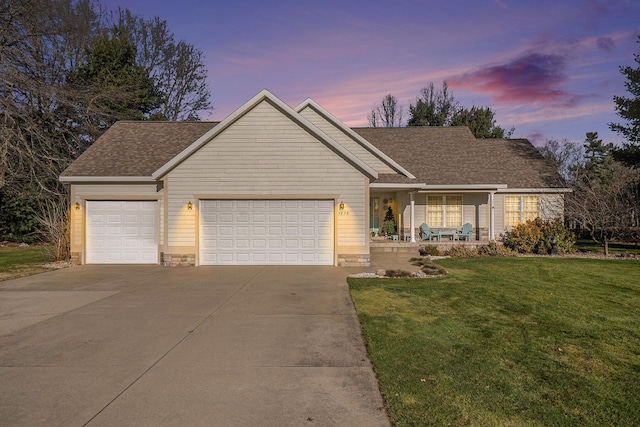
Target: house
(271,184)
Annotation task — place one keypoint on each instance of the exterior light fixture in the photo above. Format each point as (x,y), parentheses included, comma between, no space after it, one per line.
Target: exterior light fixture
(190,205)
(77,205)
(341,206)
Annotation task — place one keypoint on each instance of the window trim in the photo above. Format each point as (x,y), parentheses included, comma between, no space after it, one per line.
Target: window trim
(521,210)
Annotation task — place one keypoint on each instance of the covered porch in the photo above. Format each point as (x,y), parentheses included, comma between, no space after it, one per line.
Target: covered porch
(445,209)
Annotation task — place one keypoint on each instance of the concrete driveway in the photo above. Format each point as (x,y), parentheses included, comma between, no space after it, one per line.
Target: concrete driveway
(157,346)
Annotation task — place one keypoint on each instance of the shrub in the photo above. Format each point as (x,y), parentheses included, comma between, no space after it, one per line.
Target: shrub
(429,250)
(397,273)
(555,231)
(539,236)
(494,249)
(461,252)
(17,223)
(525,236)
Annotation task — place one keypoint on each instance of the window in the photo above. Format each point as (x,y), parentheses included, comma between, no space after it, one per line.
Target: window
(519,209)
(444,211)
(435,214)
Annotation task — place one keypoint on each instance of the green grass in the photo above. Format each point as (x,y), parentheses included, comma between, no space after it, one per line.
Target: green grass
(615,248)
(507,342)
(22,261)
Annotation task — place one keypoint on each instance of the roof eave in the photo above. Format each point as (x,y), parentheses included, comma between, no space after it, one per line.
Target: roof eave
(537,190)
(84,178)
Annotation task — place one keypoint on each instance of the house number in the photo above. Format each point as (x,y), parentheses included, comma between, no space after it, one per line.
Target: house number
(343,213)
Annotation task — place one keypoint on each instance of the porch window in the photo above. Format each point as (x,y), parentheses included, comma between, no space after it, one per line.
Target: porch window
(520,209)
(444,211)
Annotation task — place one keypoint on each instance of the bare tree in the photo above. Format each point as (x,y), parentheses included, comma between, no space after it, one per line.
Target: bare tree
(566,156)
(433,107)
(53,105)
(177,67)
(605,209)
(41,41)
(388,114)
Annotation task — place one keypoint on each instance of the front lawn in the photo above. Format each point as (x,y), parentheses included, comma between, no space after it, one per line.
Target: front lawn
(17,261)
(615,248)
(507,342)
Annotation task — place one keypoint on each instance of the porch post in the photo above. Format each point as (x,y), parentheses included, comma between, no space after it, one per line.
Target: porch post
(412,216)
(492,216)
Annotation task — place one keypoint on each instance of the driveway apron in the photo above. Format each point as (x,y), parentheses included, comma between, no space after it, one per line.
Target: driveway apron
(156,346)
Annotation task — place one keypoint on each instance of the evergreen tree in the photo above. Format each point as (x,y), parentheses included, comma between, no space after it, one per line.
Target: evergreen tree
(433,107)
(598,159)
(480,120)
(115,86)
(440,108)
(389,223)
(628,108)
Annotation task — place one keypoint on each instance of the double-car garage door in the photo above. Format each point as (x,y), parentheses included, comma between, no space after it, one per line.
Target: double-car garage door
(266,232)
(235,232)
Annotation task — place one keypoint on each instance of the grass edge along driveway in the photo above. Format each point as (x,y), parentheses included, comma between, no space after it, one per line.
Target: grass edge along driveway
(507,342)
(18,261)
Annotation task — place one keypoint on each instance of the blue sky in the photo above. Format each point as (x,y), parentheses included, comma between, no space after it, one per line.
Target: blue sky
(549,68)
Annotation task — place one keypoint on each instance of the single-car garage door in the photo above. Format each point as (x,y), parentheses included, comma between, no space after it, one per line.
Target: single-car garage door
(262,232)
(122,232)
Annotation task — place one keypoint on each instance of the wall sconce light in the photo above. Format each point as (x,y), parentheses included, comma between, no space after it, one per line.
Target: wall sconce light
(190,205)
(341,207)
(77,205)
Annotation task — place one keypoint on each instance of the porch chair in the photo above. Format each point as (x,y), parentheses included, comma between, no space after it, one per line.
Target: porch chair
(466,232)
(426,233)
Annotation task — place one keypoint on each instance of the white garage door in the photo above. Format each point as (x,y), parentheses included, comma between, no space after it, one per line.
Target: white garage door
(259,232)
(122,232)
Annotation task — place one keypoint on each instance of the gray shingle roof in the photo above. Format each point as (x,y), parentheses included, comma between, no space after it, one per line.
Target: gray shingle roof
(453,156)
(435,155)
(134,148)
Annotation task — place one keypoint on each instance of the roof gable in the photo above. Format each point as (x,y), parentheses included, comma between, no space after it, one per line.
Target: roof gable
(266,96)
(321,114)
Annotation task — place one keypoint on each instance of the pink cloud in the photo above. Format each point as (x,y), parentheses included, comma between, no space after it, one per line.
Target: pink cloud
(533,78)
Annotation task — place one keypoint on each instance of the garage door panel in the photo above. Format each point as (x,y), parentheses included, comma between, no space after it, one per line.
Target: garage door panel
(266,232)
(275,244)
(122,232)
(259,231)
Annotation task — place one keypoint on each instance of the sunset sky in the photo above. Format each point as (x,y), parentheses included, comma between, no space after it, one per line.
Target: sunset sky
(549,68)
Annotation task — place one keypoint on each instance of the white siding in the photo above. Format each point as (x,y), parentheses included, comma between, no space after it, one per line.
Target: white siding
(344,140)
(83,192)
(264,153)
